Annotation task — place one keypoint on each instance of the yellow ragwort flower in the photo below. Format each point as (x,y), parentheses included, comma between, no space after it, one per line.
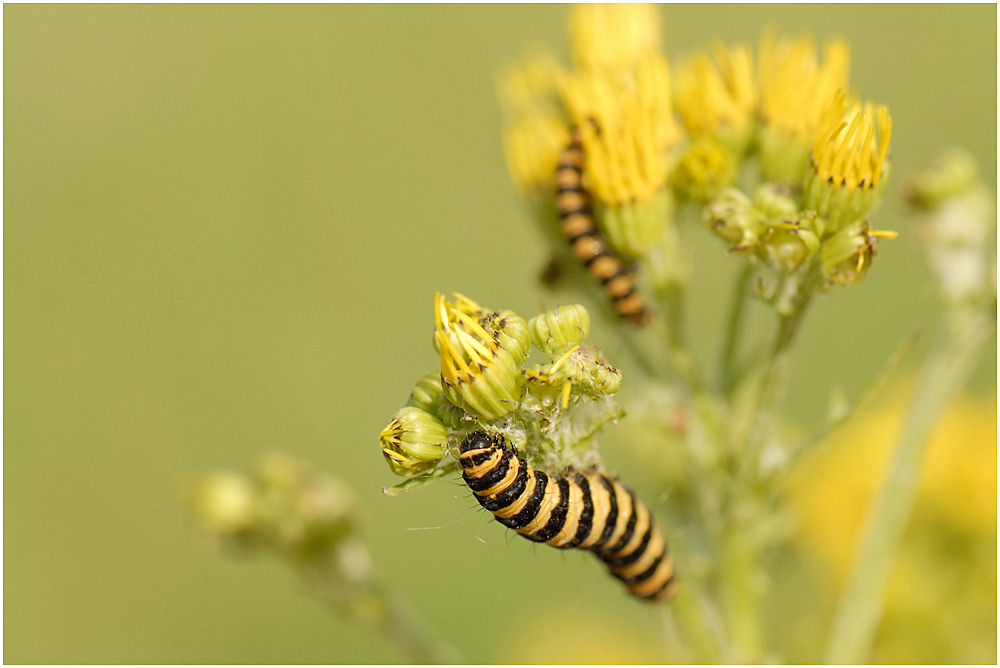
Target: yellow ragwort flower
(718,99)
(530,83)
(847,151)
(627,128)
(795,89)
(613,37)
(535,131)
(532,144)
(848,166)
(477,373)
(796,92)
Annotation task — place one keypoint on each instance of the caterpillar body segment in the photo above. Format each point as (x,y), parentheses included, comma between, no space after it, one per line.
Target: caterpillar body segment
(586,510)
(576,217)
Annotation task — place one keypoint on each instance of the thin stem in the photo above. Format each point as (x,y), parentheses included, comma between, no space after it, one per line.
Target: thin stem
(741,595)
(774,379)
(687,609)
(370,606)
(734,329)
(862,603)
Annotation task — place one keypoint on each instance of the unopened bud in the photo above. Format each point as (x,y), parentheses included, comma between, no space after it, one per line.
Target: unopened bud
(556,331)
(413,441)
(847,255)
(510,332)
(732,216)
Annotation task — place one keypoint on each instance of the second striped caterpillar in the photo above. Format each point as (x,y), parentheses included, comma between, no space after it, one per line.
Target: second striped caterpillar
(576,217)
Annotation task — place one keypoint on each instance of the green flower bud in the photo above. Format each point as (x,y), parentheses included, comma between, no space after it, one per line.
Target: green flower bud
(847,255)
(634,227)
(413,441)
(775,201)
(558,330)
(477,374)
(426,393)
(952,173)
(789,244)
(581,370)
(732,216)
(596,376)
(510,332)
(704,169)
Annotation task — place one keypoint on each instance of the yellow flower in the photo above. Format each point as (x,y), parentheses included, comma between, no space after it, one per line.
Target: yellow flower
(534,132)
(613,36)
(795,89)
(626,129)
(848,166)
(477,373)
(718,99)
(628,133)
(532,144)
(831,493)
(847,151)
(796,92)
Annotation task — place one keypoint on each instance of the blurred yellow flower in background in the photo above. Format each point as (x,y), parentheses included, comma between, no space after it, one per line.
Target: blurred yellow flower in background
(941,601)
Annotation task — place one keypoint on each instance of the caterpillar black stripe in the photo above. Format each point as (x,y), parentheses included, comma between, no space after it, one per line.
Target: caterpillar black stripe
(577,219)
(586,510)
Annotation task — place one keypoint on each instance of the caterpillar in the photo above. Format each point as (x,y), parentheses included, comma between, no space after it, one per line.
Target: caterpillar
(586,510)
(576,218)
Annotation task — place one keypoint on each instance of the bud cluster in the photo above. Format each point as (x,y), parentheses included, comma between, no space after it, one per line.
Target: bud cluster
(282,505)
(485,381)
(957,228)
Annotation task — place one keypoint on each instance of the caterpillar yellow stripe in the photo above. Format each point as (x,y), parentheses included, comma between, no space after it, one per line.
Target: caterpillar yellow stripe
(576,217)
(586,510)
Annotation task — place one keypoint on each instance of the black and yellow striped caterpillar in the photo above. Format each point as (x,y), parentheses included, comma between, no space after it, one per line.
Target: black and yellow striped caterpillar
(589,247)
(586,510)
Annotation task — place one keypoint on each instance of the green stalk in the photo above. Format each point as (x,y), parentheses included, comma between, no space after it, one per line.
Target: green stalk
(862,603)
(728,376)
(742,599)
(369,605)
(774,379)
(691,619)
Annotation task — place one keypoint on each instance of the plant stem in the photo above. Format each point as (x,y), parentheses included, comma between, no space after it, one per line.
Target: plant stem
(734,330)
(862,603)
(741,596)
(371,607)
(686,607)
(774,379)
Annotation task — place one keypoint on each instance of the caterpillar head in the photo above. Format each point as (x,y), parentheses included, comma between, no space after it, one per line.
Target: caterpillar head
(481,440)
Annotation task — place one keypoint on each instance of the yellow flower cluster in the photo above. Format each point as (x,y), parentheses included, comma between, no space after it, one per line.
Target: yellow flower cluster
(790,109)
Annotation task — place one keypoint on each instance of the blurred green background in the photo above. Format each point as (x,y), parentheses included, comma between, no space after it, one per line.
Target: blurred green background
(224,229)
